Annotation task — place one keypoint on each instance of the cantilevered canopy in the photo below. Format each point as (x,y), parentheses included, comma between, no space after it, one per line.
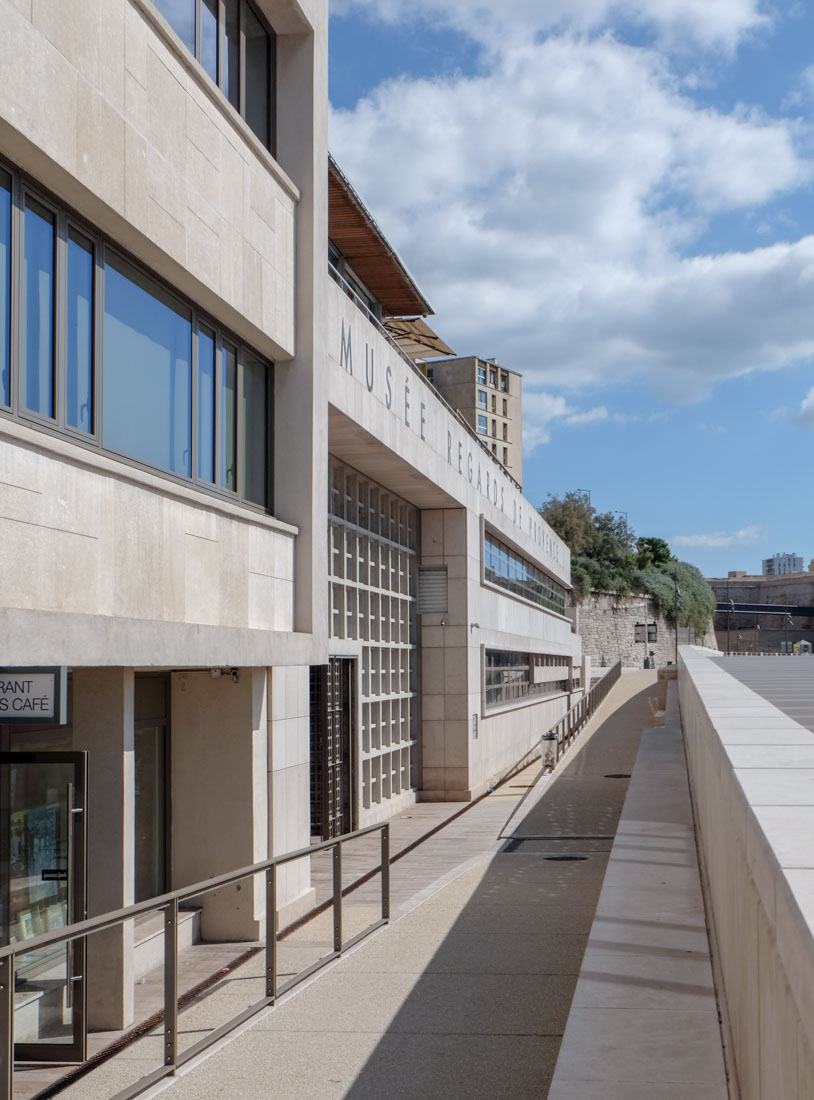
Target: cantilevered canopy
(416,338)
(356,235)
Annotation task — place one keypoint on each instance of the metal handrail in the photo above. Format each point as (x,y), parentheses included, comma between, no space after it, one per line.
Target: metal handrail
(169,904)
(566,729)
(337,276)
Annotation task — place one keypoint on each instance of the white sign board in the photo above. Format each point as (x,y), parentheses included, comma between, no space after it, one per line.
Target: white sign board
(33,695)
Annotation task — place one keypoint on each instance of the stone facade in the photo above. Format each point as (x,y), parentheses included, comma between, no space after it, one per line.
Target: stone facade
(738,632)
(607,623)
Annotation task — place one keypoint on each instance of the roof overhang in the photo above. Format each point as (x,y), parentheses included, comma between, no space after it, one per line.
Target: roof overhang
(416,337)
(353,230)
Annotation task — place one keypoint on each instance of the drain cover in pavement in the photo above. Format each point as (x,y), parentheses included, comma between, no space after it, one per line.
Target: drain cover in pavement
(563,859)
(618,775)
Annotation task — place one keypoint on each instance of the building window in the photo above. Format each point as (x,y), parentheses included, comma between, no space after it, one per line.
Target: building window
(5,287)
(494,429)
(639,632)
(505,456)
(513,677)
(504,382)
(505,407)
(481,374)
(506,431)
(510,570)
(482,425)
(174,392)
(492,378)
(481,399)
(494,448)
(236,47)
(494,403)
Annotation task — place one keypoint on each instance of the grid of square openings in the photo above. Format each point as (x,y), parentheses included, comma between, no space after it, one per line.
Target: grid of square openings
(373,538)
(513,572)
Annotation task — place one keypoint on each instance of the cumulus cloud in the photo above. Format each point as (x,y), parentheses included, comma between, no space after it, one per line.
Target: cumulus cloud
(590,416)
(711,23)
(717,539)
(548,206)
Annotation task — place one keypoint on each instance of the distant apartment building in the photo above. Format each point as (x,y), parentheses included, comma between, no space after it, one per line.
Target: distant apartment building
(780,564)
(489,397)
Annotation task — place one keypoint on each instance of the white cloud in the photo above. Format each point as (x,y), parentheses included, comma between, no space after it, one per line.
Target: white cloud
(710,23)
(546,203)
(590,416)
(806,413)
(717,539)
(539,409)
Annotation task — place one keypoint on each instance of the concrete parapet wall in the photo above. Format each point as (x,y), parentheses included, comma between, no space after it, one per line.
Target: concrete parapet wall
(752,775)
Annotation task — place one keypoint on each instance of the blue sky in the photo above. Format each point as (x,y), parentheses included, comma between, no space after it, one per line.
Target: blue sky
(614,197)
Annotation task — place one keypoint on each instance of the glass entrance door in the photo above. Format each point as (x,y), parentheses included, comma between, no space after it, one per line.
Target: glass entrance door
(42,887)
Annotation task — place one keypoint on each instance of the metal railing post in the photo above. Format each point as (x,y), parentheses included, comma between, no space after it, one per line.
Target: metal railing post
(338,896)
(271,931)
(7,1027)
(386,872)
(171,983)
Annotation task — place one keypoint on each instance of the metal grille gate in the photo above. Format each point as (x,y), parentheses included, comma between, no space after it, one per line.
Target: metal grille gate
(331,740)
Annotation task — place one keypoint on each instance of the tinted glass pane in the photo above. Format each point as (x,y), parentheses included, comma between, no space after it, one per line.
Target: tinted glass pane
(180,14)
(228,399)
(255,433)
(232,58)
(38,311)
(147,372)
(209,37)
(79,360)
(258,76)
(206,407)
(5,286)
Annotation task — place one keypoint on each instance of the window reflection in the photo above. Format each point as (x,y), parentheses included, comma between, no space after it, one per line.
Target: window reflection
(228,475)
(147,372)
(209,37)
(206,406)
(79,359)
(38,310)
(180,14)
(5,287)
(232,58)
(509,570)
(258,76)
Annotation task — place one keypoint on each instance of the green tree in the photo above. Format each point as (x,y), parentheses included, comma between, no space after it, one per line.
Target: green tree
(652,551)
(606,556)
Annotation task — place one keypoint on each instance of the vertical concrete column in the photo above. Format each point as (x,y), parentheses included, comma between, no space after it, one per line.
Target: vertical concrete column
(445,656)
(289,786)
(103,725)
(219,800)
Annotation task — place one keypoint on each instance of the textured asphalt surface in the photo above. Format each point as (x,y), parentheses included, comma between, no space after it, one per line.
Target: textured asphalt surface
(786,682)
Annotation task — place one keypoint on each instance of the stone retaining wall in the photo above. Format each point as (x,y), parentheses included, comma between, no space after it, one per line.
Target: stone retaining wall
(607,623)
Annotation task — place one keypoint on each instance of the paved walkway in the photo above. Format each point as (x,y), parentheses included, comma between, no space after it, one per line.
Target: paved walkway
(468,992)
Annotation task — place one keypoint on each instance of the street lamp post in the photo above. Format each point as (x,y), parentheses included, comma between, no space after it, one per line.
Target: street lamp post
(677,594)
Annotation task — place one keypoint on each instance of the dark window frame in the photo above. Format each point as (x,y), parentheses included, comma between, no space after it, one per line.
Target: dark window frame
(270,141)
(66,221)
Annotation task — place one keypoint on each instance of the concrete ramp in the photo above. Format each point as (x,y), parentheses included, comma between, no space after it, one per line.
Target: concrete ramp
(644,1021)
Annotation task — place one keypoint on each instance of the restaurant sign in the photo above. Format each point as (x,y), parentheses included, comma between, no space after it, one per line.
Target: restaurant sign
(34,695)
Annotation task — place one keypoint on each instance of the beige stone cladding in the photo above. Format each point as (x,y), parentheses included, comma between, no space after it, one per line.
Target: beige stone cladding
(103,105)
(386,423)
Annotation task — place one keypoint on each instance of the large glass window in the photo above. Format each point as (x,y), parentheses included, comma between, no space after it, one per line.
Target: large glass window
(79,323)
(482,397)
(5,287)
(482,375)
(513,677)
(38,309)
(173,391)
(482,425)
(509,570)
(147,372)
(236,48)
(206,406)
(180,14)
